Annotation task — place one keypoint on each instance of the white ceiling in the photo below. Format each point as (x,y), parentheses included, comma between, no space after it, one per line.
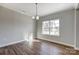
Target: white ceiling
(43,8)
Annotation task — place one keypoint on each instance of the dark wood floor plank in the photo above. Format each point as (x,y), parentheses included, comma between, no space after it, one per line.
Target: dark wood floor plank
(38,47)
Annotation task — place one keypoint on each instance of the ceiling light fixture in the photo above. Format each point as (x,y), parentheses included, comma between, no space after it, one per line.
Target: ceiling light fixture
(36,16)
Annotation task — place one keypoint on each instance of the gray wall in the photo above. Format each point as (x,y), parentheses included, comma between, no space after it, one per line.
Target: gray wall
(66,27)
(77,28)
(78,5)
(34,28)
(13,26)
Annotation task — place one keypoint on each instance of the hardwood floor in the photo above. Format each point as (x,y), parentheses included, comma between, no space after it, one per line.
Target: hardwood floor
(37,47)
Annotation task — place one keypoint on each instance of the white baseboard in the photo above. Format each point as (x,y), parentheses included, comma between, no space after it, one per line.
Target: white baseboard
(58,42)
(4,45)
(76,48)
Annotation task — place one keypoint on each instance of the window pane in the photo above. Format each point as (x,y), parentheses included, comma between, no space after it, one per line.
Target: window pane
(45,27)
(57,23)
(54,27)
(52,23)
(51,31)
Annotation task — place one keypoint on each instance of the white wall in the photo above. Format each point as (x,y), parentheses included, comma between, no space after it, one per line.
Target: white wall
(66,27)
(13,26)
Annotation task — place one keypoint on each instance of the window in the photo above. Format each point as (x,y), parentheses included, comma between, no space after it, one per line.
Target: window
(51,27)
(54,27)
(45,27)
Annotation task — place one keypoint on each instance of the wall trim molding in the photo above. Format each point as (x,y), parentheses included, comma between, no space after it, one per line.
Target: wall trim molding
(66,44)
(15,42)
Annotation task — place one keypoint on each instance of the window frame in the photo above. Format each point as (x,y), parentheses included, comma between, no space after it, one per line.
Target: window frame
(52,27)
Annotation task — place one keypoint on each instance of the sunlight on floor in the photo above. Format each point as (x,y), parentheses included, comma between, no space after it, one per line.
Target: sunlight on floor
(29,37)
